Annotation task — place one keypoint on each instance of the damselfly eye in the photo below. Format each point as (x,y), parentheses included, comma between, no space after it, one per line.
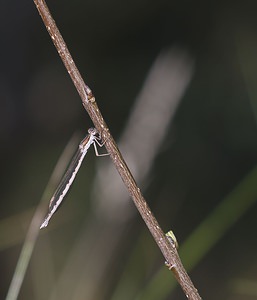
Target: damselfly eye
(92,131)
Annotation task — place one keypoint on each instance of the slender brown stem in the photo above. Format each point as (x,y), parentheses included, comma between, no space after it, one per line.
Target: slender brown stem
(89,103)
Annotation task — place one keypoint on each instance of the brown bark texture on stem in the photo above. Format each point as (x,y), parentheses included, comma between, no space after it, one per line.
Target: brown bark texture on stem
(168,250)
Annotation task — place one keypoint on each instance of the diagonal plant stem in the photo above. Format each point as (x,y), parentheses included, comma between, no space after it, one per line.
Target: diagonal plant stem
(89,103)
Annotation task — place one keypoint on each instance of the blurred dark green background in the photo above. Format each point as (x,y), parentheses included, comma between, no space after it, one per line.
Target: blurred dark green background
(211,146)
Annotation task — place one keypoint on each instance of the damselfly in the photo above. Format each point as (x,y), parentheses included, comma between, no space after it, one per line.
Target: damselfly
(94,138)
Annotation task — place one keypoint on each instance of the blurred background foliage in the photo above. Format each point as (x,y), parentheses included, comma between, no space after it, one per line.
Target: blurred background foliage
(202,183)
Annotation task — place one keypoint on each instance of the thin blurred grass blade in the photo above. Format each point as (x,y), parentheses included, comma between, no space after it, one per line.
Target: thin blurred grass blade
(33,230)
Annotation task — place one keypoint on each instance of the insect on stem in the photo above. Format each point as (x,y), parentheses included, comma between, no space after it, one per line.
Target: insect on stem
(94,138)
(172,238)
(173,241)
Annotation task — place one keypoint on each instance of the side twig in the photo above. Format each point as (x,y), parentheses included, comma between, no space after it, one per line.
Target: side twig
(89,103)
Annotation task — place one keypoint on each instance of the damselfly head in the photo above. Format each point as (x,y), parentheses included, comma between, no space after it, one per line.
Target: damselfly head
(93,131)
